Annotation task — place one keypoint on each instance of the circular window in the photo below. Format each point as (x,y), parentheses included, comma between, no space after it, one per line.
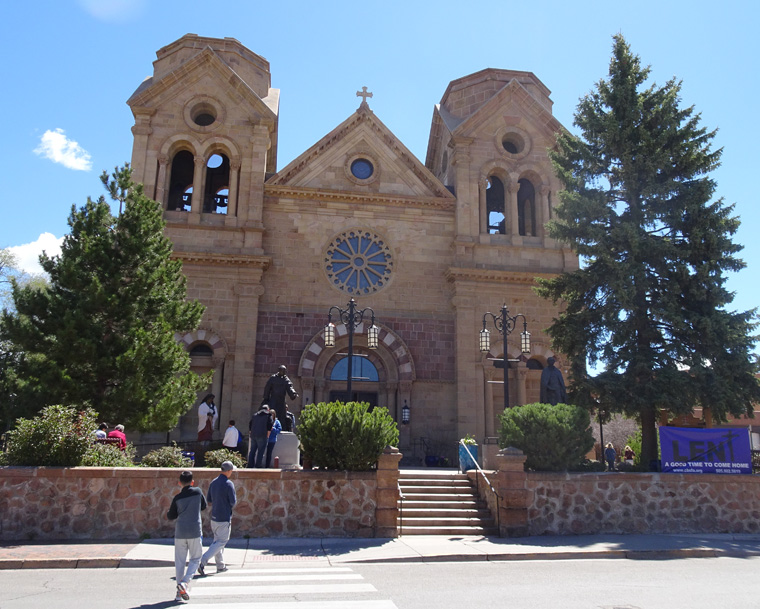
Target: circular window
(362,169)
(203,114)
(513,143)
(358,262)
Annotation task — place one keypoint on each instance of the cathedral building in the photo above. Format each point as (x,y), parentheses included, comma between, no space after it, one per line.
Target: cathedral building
(429,247)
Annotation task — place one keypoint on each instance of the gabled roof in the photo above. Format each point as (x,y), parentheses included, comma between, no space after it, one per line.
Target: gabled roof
(407,179)
(515,94)
(152,91)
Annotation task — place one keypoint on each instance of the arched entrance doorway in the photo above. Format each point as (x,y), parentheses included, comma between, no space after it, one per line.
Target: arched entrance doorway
(383,377)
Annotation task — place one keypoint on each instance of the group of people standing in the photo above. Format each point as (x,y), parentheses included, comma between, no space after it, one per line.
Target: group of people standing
(272,418)
(610,456)
(185,510)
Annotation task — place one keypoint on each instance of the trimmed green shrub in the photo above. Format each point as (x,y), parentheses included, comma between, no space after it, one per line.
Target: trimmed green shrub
(553,438)
(109,455)
(58,436)
(347,436)
(215,458)
(166,456)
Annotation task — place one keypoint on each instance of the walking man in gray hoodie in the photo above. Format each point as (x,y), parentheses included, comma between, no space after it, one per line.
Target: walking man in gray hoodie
(185,510)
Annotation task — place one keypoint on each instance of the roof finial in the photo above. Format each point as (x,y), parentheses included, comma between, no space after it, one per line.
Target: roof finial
(364,94)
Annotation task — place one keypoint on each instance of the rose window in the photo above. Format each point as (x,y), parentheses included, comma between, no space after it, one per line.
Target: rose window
(358,262)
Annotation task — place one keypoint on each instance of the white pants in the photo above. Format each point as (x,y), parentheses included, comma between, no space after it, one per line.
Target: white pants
(221,531)
(181,549)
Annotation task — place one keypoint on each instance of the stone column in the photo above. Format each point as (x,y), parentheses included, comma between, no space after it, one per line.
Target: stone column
(140,150)
(545,212)
(319,391)
(232,207)
(386,512)
(514,498)
(511,211)
(522,375)
(482,206)
(160,193)
(198,181)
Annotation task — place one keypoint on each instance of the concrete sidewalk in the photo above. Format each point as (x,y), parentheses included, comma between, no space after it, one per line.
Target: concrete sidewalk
(411,548)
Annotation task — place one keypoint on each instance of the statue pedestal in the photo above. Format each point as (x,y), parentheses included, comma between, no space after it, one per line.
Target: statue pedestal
(287,449)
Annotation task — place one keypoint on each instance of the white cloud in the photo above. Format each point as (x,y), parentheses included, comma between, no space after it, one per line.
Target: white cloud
(29,253)
(55,146)
(114,11)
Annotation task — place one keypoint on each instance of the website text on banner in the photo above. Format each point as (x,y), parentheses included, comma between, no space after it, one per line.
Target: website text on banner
(705,451)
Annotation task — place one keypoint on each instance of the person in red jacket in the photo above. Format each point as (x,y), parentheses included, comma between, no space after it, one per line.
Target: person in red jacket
(118,433)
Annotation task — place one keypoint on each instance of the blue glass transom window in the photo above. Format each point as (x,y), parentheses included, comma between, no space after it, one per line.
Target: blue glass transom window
(358,262)
(362,370)
(362,169)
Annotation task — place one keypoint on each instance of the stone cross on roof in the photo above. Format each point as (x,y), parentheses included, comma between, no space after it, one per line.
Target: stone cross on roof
(364,94)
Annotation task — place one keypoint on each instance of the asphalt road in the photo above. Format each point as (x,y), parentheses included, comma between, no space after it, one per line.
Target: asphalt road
(704,583)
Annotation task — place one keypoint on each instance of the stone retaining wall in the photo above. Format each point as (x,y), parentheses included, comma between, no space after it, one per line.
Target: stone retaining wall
(580,504)
(130,503)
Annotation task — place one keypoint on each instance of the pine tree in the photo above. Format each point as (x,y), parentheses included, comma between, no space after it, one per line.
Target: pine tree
(102,334)
(649,304)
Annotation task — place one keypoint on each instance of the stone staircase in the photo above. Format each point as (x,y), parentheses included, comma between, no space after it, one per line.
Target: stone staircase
(442,502)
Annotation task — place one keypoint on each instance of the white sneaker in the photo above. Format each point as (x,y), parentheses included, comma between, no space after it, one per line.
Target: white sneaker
(182,591)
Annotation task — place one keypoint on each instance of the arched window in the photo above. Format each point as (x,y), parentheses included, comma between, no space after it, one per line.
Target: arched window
(215,197)
(181,182)
(362,370)
(534,364)
(201,349)
(526,208)
(495,206)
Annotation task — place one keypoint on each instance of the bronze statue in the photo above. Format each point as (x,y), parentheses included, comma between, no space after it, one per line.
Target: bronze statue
(277,387)
(552,385)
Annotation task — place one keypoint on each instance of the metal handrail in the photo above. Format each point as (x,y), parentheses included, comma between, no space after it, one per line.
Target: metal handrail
(401,509)
(488,482)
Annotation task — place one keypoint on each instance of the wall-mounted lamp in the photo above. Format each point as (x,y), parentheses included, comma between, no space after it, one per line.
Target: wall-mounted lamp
(405,413)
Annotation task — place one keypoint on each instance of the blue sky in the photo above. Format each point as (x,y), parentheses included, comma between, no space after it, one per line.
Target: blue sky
(70,65)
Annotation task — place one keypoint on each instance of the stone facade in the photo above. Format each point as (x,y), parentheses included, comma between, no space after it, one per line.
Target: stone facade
(429,247)
(131,503)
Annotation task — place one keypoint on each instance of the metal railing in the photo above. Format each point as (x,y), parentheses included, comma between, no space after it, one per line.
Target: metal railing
(400,510)
(487,481)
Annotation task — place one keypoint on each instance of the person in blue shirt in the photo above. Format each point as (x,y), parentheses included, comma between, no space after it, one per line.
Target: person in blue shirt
(221,498)
(273,433)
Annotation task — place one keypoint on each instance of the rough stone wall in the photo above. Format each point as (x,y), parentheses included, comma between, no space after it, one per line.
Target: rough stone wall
(130,503)
(580,504)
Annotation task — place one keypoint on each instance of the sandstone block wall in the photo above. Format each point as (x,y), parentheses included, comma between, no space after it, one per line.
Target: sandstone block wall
(580,504)
(130,503)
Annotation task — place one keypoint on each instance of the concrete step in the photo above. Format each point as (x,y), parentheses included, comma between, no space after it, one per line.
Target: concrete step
(427,489)
(437,497)
(447,530)
(463,504)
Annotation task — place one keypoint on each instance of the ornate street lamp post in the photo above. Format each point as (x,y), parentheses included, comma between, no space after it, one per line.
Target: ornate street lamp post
(351,318)
(504,323)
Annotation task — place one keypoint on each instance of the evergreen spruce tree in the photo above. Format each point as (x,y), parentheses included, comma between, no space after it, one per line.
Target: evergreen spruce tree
(102,334)
(649,305)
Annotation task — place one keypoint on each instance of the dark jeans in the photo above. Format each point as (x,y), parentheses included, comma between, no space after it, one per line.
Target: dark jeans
(258,450)
(270,448)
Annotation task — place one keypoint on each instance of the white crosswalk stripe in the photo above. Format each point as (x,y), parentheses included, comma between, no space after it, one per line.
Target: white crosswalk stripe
(327,604)
(288,590)
(263,586)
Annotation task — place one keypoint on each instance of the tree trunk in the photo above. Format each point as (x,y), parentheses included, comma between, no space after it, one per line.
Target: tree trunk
(648,436)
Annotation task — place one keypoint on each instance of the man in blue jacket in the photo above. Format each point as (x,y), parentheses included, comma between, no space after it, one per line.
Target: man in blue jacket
(186,510)
(221,498)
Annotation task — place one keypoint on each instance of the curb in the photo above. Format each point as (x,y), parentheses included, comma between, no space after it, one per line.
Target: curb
(660,554)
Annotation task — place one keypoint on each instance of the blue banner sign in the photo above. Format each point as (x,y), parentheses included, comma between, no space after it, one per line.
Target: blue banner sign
(705,451)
